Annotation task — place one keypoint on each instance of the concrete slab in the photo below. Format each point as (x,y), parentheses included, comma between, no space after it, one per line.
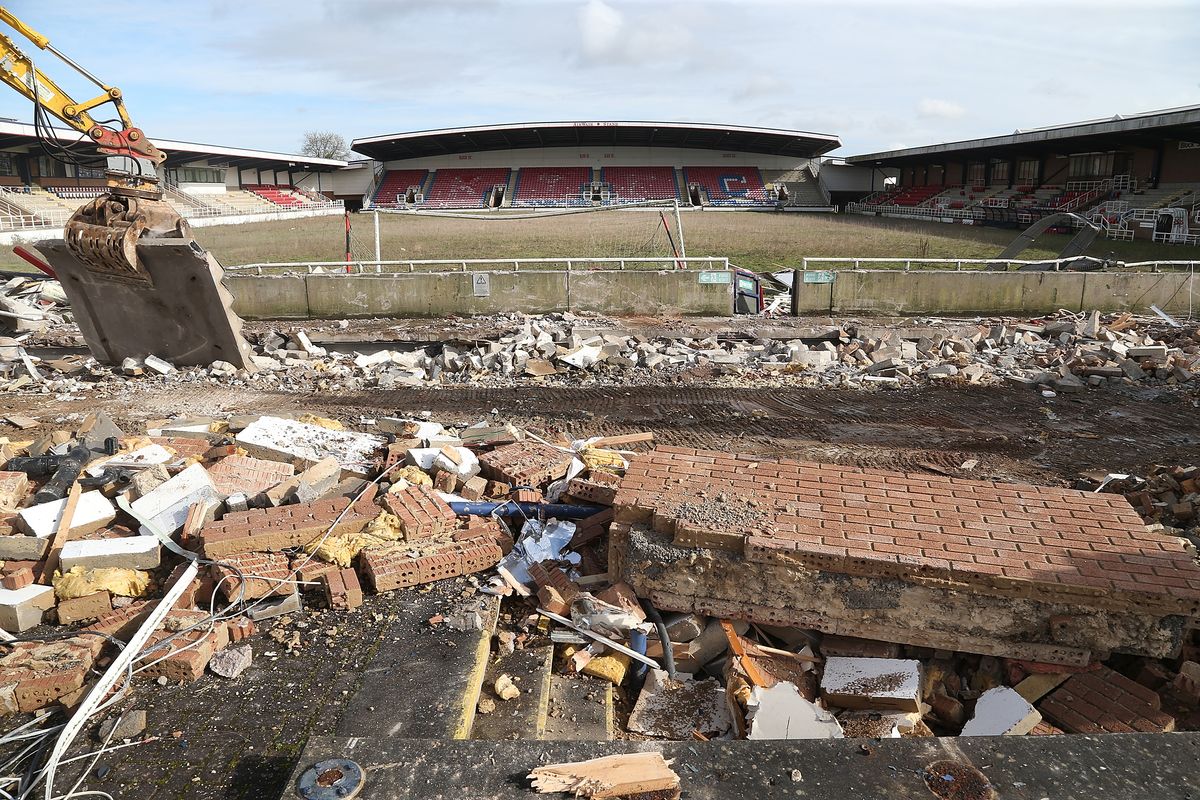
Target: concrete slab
(131,552)
(439,668)
(303,444)
(782,713)
(1002,712)
(891,683)
(92,512)
(581,709)
(1135,765)
(168,503)
(673,709)
(183,314)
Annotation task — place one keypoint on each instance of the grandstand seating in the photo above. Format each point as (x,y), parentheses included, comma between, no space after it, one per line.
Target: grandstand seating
(395,185)
(637,184)
(909,195)
(464,188)
(277,195)
(552,186)
(730,186)
(76,192)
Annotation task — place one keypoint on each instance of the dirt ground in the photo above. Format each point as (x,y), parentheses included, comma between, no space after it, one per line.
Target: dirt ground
(1013,434)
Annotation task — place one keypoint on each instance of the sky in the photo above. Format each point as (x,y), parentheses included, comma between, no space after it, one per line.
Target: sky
(879,74)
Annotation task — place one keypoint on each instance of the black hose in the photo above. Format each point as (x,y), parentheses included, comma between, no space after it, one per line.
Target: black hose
(668,650)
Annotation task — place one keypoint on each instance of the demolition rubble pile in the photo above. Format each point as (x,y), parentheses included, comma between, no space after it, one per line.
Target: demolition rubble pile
(723,595)
(1062,354)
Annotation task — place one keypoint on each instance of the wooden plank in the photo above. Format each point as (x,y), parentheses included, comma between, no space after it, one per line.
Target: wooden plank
(610,776)
(628,438)
(748,666)
(60,533)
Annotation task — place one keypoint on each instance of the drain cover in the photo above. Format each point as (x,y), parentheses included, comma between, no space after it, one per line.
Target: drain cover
(332,779)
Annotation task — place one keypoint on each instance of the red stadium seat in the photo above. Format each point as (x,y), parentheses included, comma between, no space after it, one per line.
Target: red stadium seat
(395,184)
(552,186)
(637,184)
(730,186)
(464,188)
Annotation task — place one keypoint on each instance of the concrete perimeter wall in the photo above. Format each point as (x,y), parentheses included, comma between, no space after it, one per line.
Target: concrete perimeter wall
(434,294)
(1018,293)
(627,292)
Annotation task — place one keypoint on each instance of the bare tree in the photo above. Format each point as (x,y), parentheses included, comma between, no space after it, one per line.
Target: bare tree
(324,144)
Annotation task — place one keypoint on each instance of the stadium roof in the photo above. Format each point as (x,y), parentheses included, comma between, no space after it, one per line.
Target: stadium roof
(1147,128)
(449,141)
(16,134)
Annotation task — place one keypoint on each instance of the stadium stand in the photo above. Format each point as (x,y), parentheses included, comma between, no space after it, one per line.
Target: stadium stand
(730,186)
(552,186)
(464,188)
(394,186)
(639,184)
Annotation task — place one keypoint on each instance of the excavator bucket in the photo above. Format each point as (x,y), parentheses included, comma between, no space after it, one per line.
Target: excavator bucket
(139,285)
(104,234)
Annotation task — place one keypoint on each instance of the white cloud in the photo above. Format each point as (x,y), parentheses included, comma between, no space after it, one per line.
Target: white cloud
(940,109)
(600,26)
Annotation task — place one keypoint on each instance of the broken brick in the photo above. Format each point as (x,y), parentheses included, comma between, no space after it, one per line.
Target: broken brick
(82,609)
(525,463)
(422,513)
(1105,701)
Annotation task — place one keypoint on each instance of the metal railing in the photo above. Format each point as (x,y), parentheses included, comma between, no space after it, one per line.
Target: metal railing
(28,222)
(857,263)
(713,263)
(914,211)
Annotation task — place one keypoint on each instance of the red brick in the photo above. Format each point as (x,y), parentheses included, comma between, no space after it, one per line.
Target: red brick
(590,490)
(81,609)
(392,567)
(1005,536)
(1105,701)
(526,463)
(273,529)
(17,579)
(422,513)
(342,590)
(249,476)
(262,573)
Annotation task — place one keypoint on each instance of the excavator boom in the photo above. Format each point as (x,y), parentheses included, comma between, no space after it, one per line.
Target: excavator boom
(127,254)
(103,233)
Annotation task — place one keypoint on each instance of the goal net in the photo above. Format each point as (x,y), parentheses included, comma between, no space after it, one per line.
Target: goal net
(632,233)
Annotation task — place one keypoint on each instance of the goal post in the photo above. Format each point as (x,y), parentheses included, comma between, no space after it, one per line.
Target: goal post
(650,231)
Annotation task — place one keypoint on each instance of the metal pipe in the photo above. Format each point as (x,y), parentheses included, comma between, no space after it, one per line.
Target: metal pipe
(512,508)
(68,470)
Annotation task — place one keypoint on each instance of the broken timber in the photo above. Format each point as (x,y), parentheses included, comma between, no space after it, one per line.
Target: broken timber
(610,776)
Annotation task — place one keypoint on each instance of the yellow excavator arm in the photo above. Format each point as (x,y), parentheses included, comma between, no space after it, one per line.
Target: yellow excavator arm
(19,71)
(104,232)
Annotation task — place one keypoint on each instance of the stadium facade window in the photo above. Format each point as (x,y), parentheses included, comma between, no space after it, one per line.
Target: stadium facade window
(1027,172)
(89,172)
(49,168)
(999,171)
(977,173)
(8,164)
(197,175)
(1092,165)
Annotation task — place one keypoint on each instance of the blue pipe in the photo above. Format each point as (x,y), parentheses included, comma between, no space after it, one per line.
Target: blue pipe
(637,643)
(557,510)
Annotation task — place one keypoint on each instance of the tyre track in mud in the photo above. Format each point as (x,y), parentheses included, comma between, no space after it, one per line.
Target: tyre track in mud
(1012,434)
